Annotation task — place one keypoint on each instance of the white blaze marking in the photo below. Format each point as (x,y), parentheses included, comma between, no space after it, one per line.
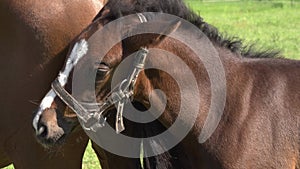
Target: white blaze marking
(78,51)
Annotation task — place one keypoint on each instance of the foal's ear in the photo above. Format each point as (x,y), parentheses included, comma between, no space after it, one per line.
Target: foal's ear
(165,31)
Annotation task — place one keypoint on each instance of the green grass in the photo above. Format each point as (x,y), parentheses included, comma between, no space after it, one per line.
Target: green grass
(270,24)
(90,160)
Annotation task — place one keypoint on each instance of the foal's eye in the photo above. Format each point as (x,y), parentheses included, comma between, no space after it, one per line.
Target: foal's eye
(102,69)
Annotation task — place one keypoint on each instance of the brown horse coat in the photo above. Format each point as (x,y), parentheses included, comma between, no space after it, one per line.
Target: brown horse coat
(260,125)
(33,38)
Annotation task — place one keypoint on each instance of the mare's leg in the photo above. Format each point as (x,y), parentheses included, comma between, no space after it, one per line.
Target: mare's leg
(26,153)
(4,160)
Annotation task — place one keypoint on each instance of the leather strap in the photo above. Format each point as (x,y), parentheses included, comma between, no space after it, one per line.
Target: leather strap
(94,119)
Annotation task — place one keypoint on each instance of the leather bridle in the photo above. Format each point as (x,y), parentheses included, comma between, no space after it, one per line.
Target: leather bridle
(94,119)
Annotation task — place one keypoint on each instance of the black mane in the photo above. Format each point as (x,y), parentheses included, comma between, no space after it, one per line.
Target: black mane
(120,8)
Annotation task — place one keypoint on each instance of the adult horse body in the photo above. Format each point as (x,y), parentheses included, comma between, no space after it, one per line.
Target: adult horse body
(260,124)
(33,38)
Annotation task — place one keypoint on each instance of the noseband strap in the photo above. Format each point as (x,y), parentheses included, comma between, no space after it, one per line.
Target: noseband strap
(94,119)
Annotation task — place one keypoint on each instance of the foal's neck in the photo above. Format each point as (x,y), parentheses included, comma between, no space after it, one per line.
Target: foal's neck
(231,63)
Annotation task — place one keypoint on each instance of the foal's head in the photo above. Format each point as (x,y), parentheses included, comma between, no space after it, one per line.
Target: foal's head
(108,72)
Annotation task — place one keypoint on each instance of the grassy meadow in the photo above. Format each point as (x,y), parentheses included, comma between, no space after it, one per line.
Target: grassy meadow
(269,24)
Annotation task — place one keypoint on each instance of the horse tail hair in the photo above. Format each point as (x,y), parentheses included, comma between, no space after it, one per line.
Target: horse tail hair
(160,161)
(169,159)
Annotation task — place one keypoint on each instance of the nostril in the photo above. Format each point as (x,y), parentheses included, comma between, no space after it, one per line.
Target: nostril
(49,132)
(43,131)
